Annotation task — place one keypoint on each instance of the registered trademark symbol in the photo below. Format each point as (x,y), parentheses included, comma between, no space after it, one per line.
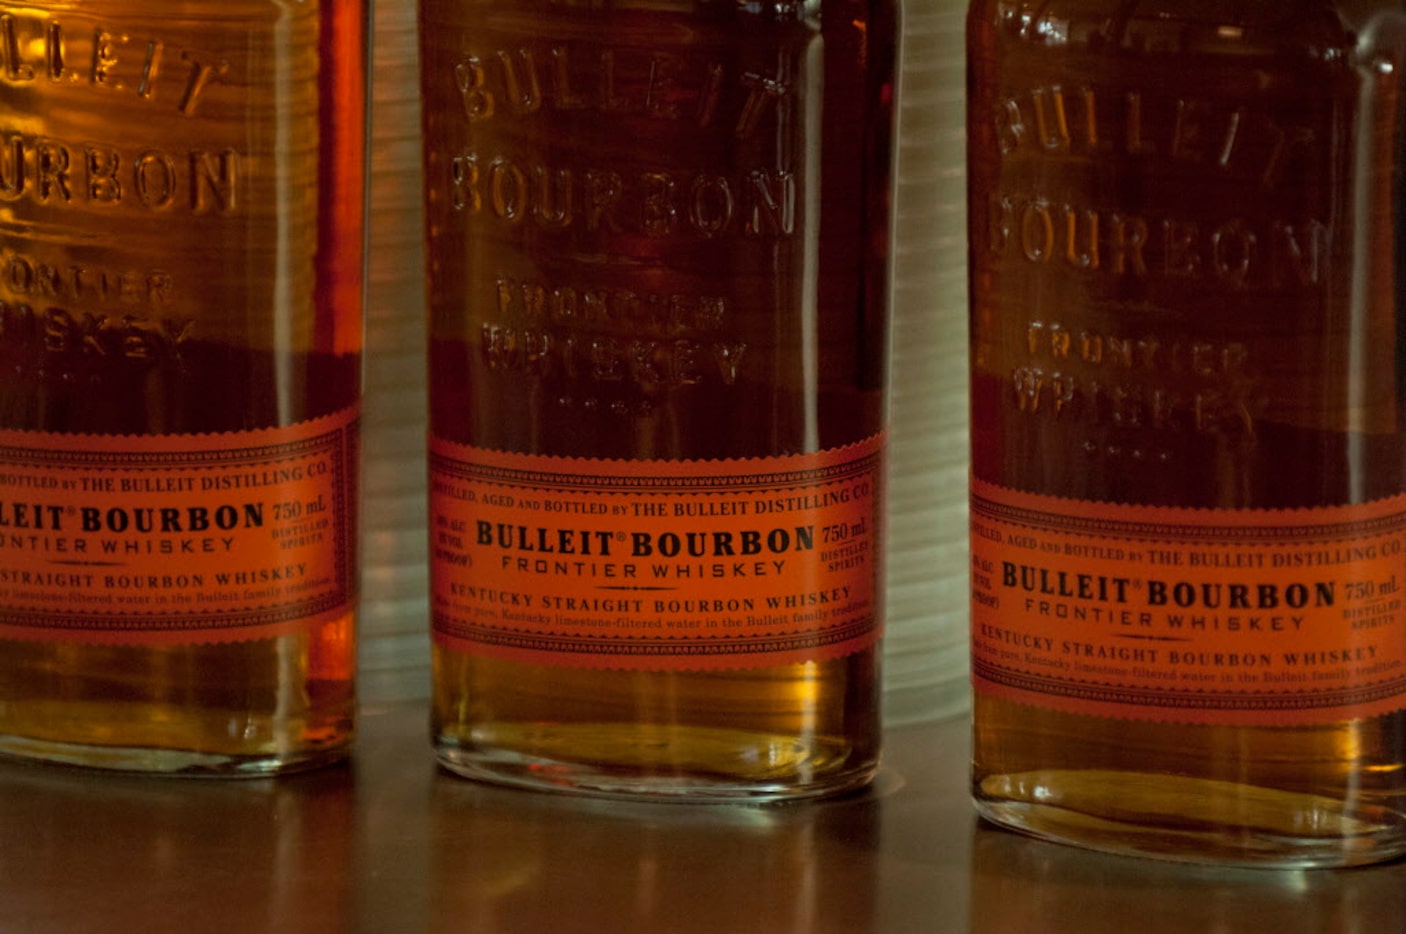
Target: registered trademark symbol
(620,536)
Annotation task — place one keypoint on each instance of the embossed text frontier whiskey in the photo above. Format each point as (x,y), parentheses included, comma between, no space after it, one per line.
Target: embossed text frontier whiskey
(1188,520)
(657,237)
(180,336)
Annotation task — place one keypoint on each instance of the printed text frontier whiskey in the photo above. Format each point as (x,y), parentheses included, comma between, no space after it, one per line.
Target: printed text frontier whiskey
(1188,520)
(180,339)
(657,277)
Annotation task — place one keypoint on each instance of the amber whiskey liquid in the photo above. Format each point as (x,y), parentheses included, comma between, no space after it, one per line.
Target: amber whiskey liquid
(656,238)
(180,315)
(1186,342)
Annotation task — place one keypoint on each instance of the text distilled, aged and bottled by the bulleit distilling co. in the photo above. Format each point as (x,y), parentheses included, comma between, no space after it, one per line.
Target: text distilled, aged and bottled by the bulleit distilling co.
(1188,518)
(657,303)
(180,336)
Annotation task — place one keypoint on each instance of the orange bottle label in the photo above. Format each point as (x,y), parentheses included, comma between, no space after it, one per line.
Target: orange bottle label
(168,539)
(655,565)
(1237,617)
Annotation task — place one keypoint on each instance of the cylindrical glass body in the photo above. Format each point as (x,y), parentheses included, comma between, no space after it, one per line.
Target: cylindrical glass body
(181,226)
(657,254)
(1187,426)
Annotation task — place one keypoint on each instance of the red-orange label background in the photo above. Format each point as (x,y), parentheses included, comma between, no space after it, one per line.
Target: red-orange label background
(122,539)
(587,563)
(1270,617)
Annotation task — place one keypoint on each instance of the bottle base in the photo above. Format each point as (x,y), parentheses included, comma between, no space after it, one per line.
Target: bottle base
(169,762)
(687,767)
(1192,820)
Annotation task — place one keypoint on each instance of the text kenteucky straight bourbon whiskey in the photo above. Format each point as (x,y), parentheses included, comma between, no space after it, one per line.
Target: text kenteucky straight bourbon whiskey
(180,337)
(1188,520)
(657,237)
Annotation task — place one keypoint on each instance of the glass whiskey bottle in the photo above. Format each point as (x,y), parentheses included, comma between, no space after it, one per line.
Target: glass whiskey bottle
(1187,439)
(657,276)
(181,225)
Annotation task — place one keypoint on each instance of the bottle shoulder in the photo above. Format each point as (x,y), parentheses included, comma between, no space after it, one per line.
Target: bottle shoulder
(1319,29)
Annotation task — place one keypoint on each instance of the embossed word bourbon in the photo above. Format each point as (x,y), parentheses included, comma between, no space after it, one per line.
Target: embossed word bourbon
(1188,509)
(657,239)
(180,338)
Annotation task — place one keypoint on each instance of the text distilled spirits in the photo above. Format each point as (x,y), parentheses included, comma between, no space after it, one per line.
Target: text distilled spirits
(1187,511)
(657,275)
(180,337)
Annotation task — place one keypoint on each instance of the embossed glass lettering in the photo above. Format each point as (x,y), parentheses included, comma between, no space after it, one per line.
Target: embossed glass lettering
(531,77)
(1233,252)
(62,172)
(656,204)
(1086,123)
(108,58)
